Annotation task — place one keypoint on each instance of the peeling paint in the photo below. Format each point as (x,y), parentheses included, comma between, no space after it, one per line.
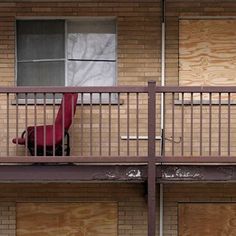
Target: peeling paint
(134,174)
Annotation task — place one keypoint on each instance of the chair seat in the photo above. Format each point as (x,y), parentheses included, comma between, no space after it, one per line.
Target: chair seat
(20,141)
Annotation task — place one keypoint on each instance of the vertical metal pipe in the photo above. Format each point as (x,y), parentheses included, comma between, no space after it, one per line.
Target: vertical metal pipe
(161,205)
(162,59)
(162,144)
(151,158)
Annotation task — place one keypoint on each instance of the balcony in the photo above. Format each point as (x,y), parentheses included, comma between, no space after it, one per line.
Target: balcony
(130,127)
(123,133)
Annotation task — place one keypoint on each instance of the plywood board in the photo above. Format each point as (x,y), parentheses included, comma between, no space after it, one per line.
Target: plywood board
(209,219)
(207,52)
(66,219)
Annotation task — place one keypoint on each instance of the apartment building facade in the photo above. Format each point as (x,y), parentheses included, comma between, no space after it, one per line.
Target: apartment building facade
(152,141)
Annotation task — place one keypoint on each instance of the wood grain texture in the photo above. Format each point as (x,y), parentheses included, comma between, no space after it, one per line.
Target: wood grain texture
(208,219)
(66,219)
(207,52)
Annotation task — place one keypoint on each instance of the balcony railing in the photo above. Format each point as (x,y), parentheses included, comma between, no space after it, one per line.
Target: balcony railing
(123,124)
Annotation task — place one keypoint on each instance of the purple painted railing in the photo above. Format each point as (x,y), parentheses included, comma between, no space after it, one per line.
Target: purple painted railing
(123,124)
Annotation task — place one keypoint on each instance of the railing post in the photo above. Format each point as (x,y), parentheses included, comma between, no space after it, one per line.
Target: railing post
(151,158)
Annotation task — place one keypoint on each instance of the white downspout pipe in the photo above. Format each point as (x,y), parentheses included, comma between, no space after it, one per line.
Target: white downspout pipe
(161,199)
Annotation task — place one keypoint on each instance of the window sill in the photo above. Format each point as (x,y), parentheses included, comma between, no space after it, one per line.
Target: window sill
(204,102)
(58,102)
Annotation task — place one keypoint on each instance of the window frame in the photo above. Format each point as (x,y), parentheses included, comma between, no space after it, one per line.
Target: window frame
(66,19)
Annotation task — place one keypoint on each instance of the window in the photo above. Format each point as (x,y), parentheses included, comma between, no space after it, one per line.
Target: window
(66,52)
(207,52)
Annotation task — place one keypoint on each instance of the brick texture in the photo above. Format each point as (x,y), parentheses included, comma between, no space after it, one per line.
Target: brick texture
(139,38)
(7,219)
(132,205)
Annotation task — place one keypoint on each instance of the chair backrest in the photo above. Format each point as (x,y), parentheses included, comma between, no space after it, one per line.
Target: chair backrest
(66,111)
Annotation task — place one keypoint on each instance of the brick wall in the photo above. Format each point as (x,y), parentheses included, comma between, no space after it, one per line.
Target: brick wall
(138,61)
(132,205)
(138,25)
(7,218)
(139,35)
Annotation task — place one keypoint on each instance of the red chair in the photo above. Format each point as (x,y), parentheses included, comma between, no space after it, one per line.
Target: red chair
(36,143)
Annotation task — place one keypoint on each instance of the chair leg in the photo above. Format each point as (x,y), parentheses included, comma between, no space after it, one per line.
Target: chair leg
(67,149)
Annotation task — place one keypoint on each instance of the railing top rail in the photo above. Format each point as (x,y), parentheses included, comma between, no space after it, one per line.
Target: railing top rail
(118,89)
(196,89)
(57,89)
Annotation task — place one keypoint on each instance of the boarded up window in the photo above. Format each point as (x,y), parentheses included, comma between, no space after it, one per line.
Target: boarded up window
(209,219)
(207,52)
(64,219)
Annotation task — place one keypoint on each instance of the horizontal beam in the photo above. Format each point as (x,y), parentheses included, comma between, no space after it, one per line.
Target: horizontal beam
(176,173)
(113,173)
(71,173)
